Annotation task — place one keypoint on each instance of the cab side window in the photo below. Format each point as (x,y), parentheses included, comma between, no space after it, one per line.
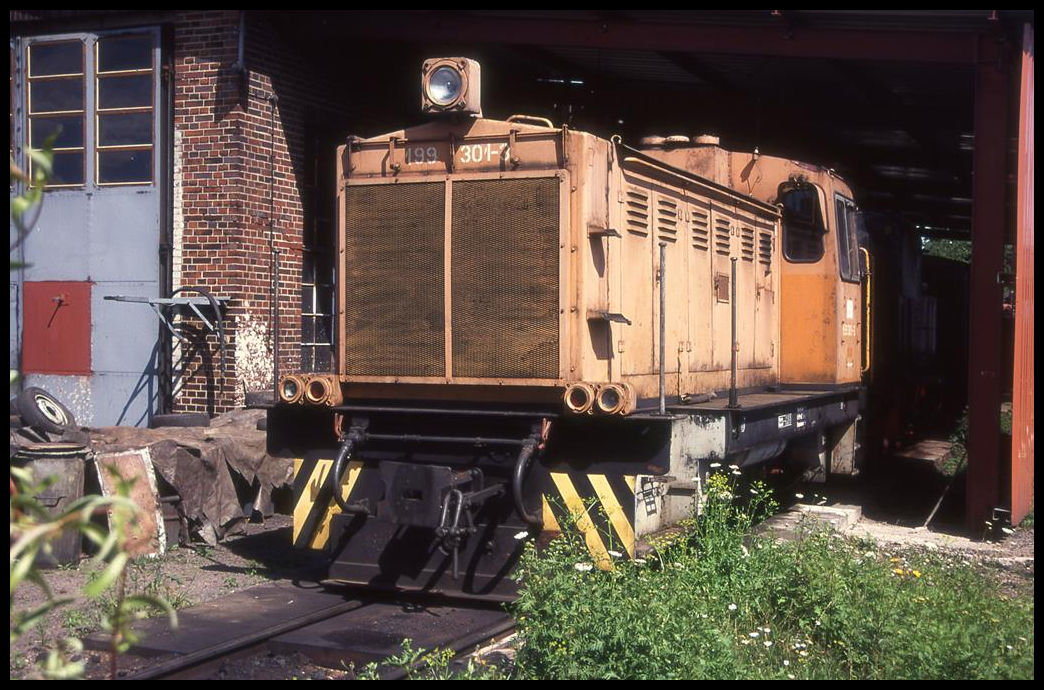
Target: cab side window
(803,226)
(847,240)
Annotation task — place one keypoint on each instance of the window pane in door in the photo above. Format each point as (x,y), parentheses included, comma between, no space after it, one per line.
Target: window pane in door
(122,166)
(63,57)
(56,95)
(133,91)
(117,53)
(124,129)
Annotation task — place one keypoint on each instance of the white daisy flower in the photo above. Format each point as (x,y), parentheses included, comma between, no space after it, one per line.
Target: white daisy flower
(754,633)
(767,643)
(799,495)
(583,567)
(521,535)
(616,554)
(732,607)
(715,465)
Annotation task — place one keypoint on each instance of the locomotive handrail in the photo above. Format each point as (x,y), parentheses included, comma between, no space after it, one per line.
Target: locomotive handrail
(531,118)
(867,351)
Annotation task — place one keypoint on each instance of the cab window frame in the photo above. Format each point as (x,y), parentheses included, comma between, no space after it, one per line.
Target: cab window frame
(816,225)
(849,266)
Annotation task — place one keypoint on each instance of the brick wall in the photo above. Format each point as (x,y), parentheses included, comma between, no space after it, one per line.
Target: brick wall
(240,168)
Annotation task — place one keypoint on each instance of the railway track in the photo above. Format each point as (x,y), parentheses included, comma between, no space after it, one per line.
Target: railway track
(328,628)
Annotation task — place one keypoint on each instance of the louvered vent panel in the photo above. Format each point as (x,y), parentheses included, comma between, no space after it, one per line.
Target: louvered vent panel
(765,247)
(722,236)
(667,219)
(700,228)
(747,243)
(505,278)
(637,211)
(394,294)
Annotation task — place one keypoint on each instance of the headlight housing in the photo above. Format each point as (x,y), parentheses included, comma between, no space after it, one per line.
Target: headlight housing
(451,85)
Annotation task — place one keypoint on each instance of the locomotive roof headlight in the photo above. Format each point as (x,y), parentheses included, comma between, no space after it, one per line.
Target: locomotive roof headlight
(451,85)
(444,85)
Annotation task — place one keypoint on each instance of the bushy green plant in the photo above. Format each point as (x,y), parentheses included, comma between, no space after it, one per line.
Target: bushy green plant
(722,604)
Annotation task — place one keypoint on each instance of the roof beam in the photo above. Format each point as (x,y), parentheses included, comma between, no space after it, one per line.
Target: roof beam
(793,41)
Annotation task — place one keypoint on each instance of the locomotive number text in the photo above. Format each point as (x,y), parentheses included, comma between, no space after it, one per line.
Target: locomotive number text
(417,155)
(480,153)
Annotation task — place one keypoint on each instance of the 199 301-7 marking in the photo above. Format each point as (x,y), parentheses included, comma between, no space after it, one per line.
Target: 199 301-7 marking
(469,153)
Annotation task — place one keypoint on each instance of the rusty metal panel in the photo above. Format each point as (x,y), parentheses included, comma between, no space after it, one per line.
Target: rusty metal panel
(1022,396)
(56,333)
(393,292)
(146,534)
(505,275)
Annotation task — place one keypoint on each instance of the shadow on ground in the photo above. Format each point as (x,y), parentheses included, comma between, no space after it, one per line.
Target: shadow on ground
(904,492)
(266,550)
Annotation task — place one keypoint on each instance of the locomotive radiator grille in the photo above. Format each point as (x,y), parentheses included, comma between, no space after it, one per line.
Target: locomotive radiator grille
(504,277)
(394,293)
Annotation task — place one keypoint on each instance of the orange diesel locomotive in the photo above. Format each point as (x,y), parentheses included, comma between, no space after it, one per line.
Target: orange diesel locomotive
(534,321)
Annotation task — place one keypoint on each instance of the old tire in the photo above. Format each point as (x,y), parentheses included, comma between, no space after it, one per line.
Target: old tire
(181,420)
(41,410)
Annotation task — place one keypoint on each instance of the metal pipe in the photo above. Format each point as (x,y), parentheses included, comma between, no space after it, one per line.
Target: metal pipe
(273,100)
(275,318)
(663,322)
(355,436)
(525,455)
(735,345)
(433,410)
(474,440)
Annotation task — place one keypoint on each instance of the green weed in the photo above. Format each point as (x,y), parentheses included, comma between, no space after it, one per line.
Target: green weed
(422,664)
(722,604)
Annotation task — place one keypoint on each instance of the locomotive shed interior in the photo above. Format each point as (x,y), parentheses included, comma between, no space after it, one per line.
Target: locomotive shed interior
(914,110)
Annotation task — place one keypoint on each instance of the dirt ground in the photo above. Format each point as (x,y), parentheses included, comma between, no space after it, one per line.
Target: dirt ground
(254,553)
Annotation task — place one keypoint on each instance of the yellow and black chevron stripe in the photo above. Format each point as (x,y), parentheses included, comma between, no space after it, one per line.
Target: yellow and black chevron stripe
(312,517)
(601,506)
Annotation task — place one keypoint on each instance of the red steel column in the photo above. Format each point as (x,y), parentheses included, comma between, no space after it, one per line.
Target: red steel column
(1022,391)
(988,219)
